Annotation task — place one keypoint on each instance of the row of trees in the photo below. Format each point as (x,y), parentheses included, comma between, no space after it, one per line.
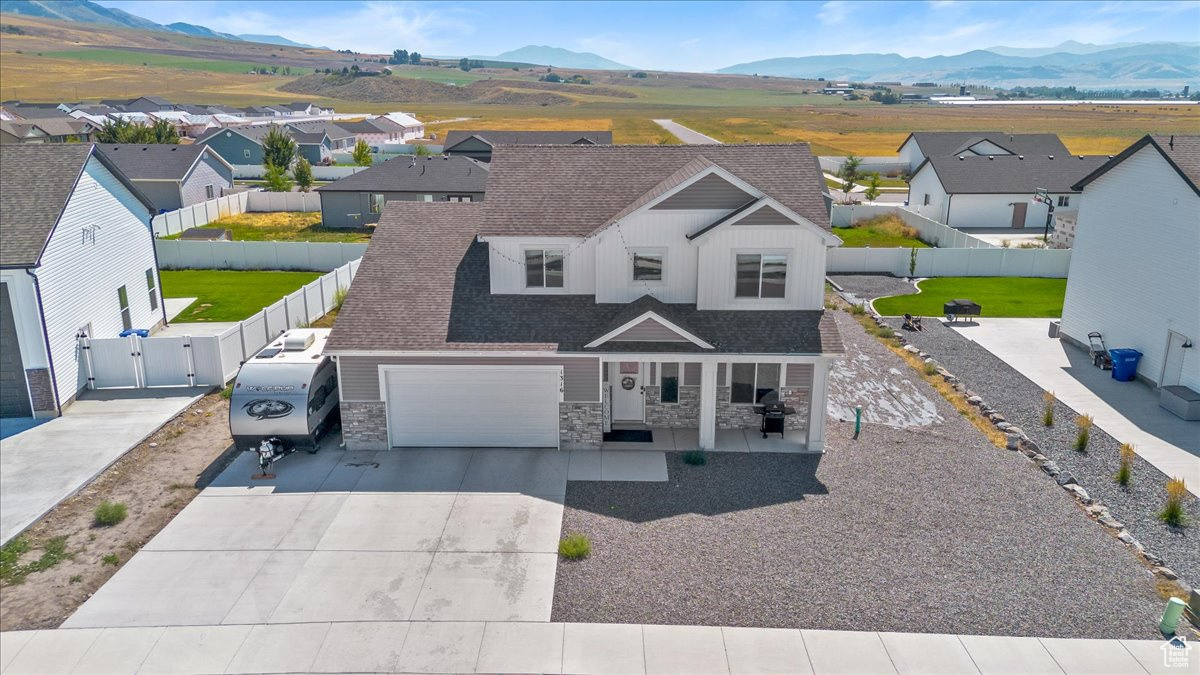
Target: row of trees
(852,176)
(281,155)
(402,57)
(127,131)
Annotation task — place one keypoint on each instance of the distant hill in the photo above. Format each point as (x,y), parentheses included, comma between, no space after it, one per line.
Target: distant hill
(275,40)
(1068,47)
(198,31)
(83,11)
(1156,64)
(558,57)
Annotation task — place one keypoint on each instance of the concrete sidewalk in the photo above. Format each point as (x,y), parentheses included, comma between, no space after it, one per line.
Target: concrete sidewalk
(44,465)
(497,647)
(1127,411)
(688,136)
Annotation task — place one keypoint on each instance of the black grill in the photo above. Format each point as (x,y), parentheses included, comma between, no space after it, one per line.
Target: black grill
(773,414)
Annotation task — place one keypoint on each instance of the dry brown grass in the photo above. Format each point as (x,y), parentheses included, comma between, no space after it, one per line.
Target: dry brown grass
(889,224)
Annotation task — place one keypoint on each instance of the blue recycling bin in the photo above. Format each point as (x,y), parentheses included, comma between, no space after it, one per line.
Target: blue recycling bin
(1125,363)
(140,332)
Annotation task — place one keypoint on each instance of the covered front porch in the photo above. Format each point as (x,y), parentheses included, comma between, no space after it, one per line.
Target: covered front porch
(666,439)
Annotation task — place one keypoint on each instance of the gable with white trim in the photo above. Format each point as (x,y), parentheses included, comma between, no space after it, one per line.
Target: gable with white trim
(649,327)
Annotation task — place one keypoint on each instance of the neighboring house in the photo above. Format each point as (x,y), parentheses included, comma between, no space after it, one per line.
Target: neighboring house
(243,145)
(172,176)
(1135,266)
(410,127)
(78,257)
(358,199)
(142,104)
(340,140)
(374,132)
(307,108)
(997,191)
(479,144)
(922,144)
(664,286)
(47,130)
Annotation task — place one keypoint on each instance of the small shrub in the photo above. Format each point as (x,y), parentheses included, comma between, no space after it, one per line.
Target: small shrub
(1126,471)
(575,546)
(227,392)
(859,309)
(1084,423)
(109,513)
(695,458)
(131,546)
(931,368)
(111,559)
(76,578)
(884,332)
(339,296)
(1048,411)
(1172,514)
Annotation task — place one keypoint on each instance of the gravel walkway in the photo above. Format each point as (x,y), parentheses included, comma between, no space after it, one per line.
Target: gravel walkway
(1020,401)
(919,529)
(870,286)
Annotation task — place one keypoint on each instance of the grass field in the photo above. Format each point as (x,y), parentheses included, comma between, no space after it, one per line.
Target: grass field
(229,295)
(129,58)
(999,297)
(286,226)
(861,237)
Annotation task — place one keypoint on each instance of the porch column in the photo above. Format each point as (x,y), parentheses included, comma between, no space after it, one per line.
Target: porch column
(708,405)
(816,406)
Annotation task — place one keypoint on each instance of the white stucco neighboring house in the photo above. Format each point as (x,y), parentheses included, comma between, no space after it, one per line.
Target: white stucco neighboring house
(1135,267)
(77,257)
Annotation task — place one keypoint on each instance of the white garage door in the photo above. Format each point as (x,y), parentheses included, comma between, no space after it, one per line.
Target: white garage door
(473,406)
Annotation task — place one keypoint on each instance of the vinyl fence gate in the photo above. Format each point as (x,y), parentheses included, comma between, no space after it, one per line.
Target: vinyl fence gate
(135,363)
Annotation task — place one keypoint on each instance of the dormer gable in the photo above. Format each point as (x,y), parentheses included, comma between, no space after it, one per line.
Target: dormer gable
(765,212)
(712,190)
(645,320)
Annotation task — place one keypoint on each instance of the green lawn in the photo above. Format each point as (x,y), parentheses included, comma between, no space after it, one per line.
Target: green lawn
(286,226)
(131,58)
(861,237)
(229,295)
(999,297)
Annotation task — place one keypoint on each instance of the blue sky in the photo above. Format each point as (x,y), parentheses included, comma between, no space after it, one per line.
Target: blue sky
(695,36)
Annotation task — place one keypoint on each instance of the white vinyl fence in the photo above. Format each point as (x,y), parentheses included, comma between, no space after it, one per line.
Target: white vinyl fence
(176,254)
(174,222)
(930,231)
(881,165)
(213,360)
(255,171)
(950,262)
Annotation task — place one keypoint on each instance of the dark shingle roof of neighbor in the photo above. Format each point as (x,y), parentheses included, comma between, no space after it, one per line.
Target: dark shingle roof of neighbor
(316,126)
(1183,152)
(529,137)
(424,285)
(417,174)
(361,127)
(1009,174)
(574,190)
(153,162)
(38,179)
(934,143)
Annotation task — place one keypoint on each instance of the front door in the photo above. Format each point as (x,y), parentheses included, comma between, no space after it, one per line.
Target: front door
(1019,211)
(627,397)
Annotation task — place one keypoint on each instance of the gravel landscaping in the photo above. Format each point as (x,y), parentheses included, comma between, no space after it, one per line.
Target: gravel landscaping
(870,286)
(1020,401)
(918,529)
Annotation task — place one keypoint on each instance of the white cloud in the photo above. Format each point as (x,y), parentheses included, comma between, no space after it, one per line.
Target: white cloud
(834,11)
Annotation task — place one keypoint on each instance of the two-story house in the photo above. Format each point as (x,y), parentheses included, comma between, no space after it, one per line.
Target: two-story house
(667,289)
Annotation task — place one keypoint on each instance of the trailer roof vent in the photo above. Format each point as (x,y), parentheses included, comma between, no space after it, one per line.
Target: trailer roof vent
(298,340)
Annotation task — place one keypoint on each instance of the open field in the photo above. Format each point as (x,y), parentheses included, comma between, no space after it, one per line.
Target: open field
(130,58)
(285,226)
(998,296)
(229,295)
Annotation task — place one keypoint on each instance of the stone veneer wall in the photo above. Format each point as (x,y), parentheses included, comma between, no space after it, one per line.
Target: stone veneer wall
(580,426)
(364,425)
(682,415)
(41,390)
(740,416)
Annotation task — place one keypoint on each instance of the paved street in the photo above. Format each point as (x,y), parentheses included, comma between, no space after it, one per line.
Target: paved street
(44,465)
(685,134)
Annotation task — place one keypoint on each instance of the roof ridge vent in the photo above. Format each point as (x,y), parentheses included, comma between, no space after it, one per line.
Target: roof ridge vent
(1051,156)
(1020,156)
(991,157)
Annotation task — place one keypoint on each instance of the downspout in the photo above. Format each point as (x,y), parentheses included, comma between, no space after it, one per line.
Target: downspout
(949,203)
(37,292)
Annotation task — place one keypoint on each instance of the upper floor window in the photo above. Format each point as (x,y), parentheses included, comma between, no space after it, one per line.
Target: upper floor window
(152,288)
(377,201)
(123,300)
(647,266)
(246,154)
(458,198)
(544,268)
(1064,200)
(761,275)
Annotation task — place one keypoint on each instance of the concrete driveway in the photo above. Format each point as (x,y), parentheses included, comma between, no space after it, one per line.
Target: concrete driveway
(688,136)
(42,466)
(421,535)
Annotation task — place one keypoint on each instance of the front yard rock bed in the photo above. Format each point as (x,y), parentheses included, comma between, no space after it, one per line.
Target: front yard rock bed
(1019,402)
(917,529)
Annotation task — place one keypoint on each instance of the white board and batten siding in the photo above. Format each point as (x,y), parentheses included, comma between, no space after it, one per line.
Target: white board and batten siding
(360,374)
(805,288)
(79,276)
(655,231)
(1135,269)
(506,260)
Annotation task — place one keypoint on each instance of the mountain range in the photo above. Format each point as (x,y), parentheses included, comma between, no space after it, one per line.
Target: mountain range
(85,11)
(543,55)
(1131,65)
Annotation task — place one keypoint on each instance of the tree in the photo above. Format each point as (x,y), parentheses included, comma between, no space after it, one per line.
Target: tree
(303,174)
(423,151)
(550,77)
(873,181)
(849,174)
(345,70)
(279,150)
(126,131)
(362,153)
(399,57)
(464,64)
(278,179)
(415,58)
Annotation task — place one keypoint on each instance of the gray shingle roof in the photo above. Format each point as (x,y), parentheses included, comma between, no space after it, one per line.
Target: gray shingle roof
(1009,174)
(417,174)
(153,162)
(934,143)
(37,181)
(1183,152)
(330,129)
(424,285)
(573,190)
(495,137)
(363,127)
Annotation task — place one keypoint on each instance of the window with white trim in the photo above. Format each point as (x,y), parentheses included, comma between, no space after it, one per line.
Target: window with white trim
(669,386)
(377,202)
(761,275)
(246,153)
(1064,200)
(751,383)
(544,268)
(648,266)
(123,300)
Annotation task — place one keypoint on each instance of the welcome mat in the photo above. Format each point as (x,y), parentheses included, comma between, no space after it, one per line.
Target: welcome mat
(629,436)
